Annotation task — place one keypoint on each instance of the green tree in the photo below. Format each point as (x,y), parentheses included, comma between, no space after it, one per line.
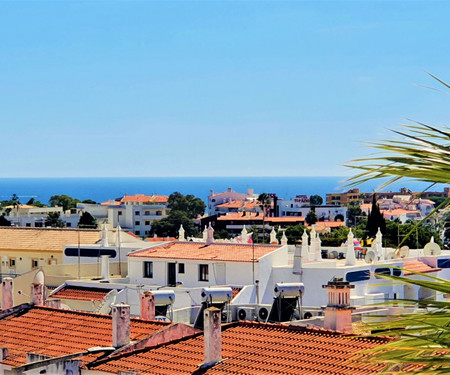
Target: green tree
(311,218)
(189,204)
(315,200)
(375,220)
(4,222)
(87,221)
(354,213)
(53,220)
(35,203)
(222,234)
(169,226)
(89,201)
(63,201)
(293,233)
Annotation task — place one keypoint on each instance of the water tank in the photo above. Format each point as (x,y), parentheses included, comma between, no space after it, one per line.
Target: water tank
(217,295)
(289,290)
(163,297)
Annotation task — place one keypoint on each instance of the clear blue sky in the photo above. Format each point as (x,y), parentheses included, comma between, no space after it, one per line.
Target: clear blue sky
(223,88)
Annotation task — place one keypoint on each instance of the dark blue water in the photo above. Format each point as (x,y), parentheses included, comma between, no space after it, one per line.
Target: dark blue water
(102,189)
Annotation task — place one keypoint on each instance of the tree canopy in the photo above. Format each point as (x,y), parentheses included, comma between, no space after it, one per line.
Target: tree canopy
(311,218)
(4,222)
(169,226)
(375,220)
(87,221)
(293,233)
(53,220)
(189,204)
(315,200)
(63,201)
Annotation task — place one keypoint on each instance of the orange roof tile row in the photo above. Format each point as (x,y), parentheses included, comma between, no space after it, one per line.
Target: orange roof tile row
(145,198)
(418,266)
(200,251)
(54,332)
(256,348)
(248,205)
(52,239)
(237,216)
(328,224)
(81,293)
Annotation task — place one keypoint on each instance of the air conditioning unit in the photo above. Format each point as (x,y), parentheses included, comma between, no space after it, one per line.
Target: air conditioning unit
(246,313)
(263,313)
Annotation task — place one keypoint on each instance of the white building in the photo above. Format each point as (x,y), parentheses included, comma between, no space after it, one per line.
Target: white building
(216,199)
(298,207)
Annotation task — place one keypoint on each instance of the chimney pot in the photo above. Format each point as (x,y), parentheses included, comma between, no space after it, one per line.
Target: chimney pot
(7,293)
(37,294)
(121,325)
(148,306)
(212,336)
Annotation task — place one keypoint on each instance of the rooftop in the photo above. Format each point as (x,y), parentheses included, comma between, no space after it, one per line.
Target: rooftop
(55,332)
(81,293)
(44,239)
(418,266)
(250,348)
(141,198)
(200,251)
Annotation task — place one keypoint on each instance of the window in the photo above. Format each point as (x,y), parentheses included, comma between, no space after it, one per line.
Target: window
(357,276)
(148,270)
(28,224)
(180,267)
(68,225)
(119,213)
(12,262)
(147,213)
(137,232)
(138,213)
(137,222)
(38,225)
(34,263)
(158,213)
(203,272)
(147,222)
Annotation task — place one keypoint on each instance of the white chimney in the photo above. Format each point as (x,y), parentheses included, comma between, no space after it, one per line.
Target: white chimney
(37,294)
(205,234)
(305,247)
(284,240)
(148,306)
(181,233)
(244,235)
(297,266)
(104,236)
(273,237)
(7,293)
(350,258)
(105,267)
(121,325)
(213,336)
(338,312)
(210,235)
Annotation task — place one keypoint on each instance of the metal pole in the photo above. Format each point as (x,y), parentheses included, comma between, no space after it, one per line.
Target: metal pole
(253,260)
(79,255)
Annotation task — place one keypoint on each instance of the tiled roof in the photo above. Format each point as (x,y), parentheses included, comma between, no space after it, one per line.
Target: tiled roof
(247,205)
(111,203)
(81,293)
(418,266)
(201,251)
(145,198)
(256,348)
(51,239)
(328,224)
(240,216)
(55,332)
(399,211)
(285,219)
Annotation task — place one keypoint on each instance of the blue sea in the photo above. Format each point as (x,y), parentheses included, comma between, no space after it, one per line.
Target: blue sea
(102,189)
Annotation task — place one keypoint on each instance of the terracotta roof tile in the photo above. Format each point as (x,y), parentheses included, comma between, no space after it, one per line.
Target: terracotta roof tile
(145,198)
(50,239)
(418,266)
(201,251)
(55,332)
(254,348)
(81,293)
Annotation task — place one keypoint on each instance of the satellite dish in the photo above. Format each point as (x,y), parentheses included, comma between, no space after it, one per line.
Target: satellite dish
(370,256)
(391,255)
(404,252)
(110,299)
(431,248)
(333,254)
